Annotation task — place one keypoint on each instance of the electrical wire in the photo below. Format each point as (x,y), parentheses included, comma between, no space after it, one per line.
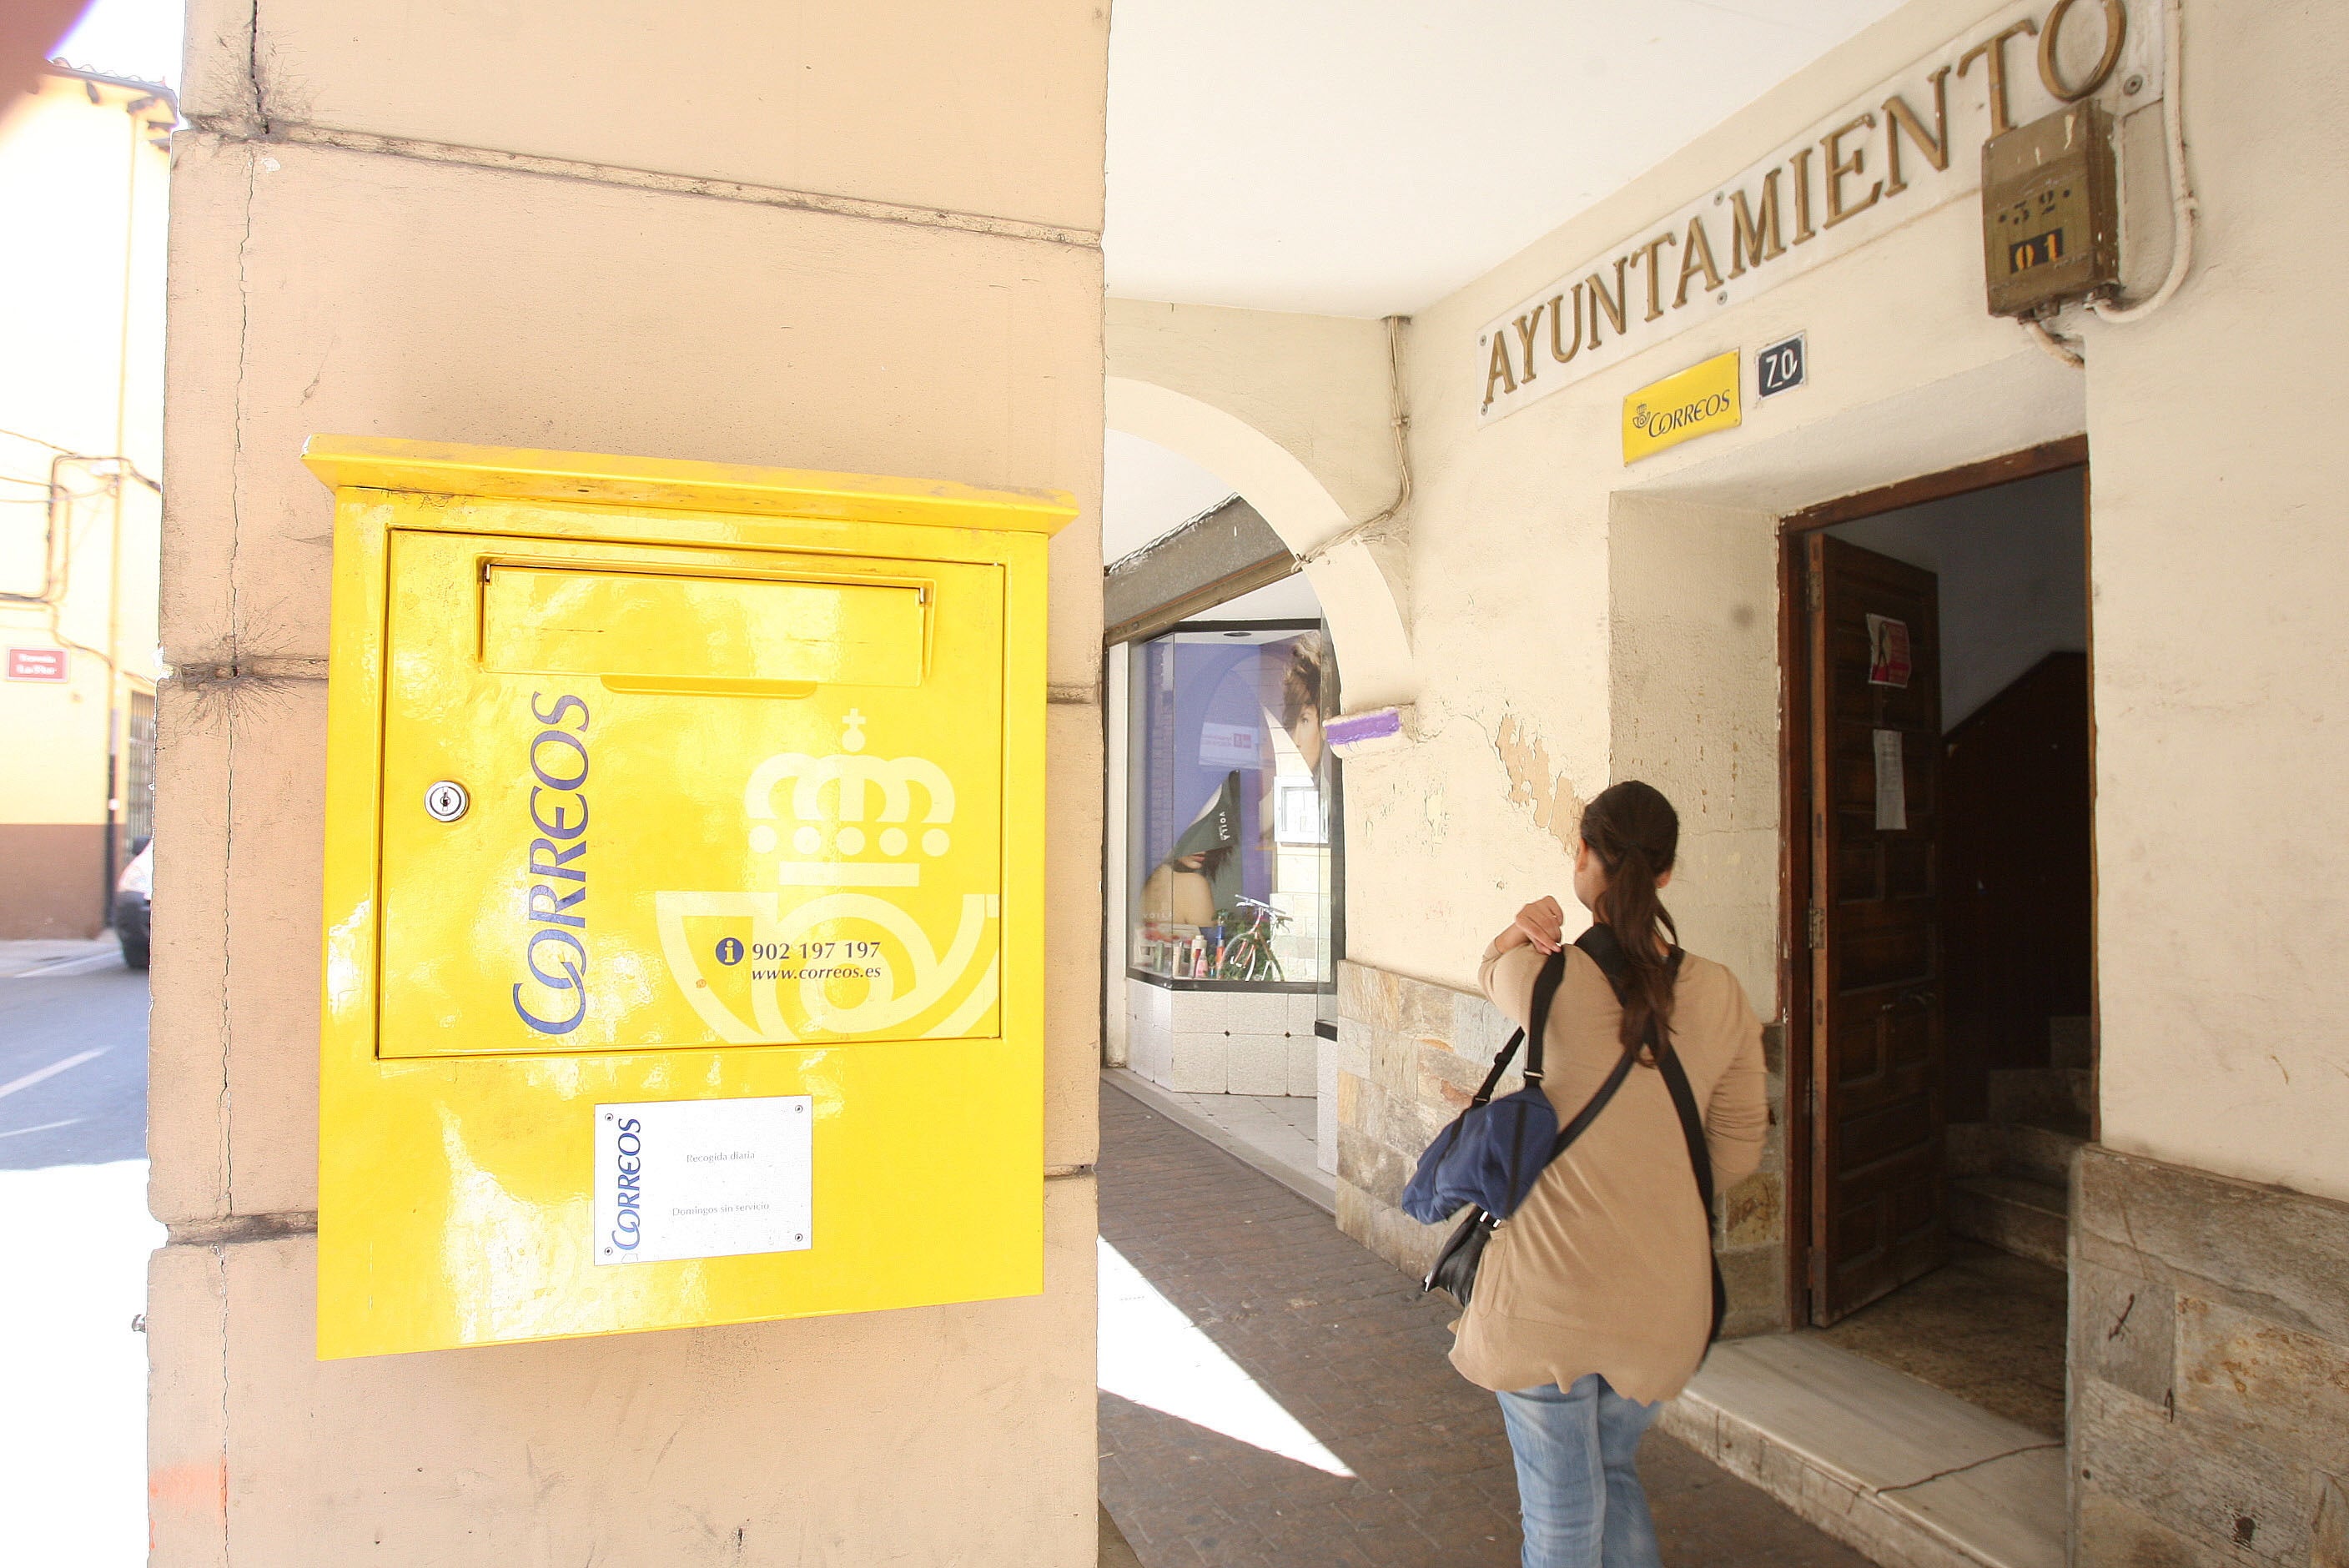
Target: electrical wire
(20,436)
(57,565)
(2183,208)
(2056,348)
(1399,417)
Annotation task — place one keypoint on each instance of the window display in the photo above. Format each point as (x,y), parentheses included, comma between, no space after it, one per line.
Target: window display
(1233,821)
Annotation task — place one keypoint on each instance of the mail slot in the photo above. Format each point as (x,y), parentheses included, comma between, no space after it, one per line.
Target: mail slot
(684,911)
(544,618)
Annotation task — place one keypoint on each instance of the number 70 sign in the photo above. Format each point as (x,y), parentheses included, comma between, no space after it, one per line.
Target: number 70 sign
(1782,367)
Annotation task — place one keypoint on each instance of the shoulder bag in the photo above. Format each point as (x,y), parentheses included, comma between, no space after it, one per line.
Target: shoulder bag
(1481,1159)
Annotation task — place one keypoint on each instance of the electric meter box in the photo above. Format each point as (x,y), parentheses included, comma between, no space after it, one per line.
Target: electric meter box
(2051,212)
(683,895)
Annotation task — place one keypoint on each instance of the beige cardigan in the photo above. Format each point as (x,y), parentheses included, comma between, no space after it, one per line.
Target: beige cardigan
(1604,1267)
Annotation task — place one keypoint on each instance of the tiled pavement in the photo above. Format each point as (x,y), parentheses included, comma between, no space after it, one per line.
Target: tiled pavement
(1279,1125)
(1348,1348)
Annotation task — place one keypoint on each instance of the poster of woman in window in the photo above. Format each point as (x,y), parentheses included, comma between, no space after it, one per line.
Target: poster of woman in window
(1230,815)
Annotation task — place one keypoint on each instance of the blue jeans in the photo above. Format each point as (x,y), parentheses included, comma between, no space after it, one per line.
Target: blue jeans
(1577,1476)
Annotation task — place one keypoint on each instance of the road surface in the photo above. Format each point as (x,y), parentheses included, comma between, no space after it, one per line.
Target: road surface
(72,1179)
(73,1056)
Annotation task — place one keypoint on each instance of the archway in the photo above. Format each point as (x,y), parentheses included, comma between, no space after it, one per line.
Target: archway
(1366,624)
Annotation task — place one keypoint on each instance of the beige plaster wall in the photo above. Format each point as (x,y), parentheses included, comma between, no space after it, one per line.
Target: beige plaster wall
(1315,384)
(1693,700)
(980,112)
(1552,585)
(2219,569)
(416,223)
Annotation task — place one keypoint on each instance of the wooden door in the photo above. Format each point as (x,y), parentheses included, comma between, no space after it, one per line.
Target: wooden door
(1877,1213)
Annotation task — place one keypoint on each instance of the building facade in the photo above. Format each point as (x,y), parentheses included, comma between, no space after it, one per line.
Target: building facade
(868,242)
(1980,657)
(84,162)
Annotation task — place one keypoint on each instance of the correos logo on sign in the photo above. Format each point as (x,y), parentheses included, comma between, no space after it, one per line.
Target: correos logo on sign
(555,950)
(1663,422)
(704,1178)
(627,1182)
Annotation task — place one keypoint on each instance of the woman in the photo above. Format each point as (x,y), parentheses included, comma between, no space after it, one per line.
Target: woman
(1594,1301)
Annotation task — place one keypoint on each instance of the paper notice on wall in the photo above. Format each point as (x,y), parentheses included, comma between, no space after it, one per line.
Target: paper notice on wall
(703,1178)
(1891,785)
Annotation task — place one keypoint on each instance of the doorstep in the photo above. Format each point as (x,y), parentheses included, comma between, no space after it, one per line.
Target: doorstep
(1906,1474)
(1313,1185)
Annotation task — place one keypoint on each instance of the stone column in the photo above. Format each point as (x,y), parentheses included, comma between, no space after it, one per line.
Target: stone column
(2210,1369)
(850,237)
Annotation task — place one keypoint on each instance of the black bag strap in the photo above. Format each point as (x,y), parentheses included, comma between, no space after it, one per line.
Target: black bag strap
(1537,1030)
(1701,1156)
(1545,985)
(1607,951)
(1591,948)
(1589,1113)
(1500,1065)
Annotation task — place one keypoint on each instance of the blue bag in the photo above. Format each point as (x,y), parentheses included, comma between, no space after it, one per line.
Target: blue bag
(1493,1152)
(1496,1150)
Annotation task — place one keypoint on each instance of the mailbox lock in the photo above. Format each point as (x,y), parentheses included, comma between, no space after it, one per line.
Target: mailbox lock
(446,802)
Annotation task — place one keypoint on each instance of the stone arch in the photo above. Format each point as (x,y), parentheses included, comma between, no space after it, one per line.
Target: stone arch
(1366,624)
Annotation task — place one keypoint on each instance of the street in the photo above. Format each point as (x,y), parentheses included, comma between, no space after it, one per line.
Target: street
(73,1177)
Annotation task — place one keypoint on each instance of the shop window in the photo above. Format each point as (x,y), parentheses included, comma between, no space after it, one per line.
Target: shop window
(1234,832)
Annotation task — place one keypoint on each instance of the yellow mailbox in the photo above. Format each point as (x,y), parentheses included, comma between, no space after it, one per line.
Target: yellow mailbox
(684,895)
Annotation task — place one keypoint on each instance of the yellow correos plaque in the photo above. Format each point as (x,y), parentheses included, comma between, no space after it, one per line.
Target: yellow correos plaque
(683,895)
(1696,402)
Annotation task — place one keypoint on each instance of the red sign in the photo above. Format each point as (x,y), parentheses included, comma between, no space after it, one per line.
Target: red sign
(1887,652)
(36,663)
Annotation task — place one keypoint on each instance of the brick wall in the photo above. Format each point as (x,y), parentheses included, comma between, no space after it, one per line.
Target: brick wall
(2210,1362)
(1408,1056)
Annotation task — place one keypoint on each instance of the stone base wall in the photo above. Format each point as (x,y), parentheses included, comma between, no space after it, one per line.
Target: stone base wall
(2210,1362)
(1409,1054)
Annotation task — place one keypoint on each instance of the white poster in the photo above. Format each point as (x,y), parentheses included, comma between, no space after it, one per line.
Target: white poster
(1891,785)
(1228,746)
(703,1178)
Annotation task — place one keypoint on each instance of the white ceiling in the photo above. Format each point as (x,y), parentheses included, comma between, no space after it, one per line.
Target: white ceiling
(1148,493)
(1368,157)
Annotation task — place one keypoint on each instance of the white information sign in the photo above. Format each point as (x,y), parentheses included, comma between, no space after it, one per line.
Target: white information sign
(1892,783)
(703,1178)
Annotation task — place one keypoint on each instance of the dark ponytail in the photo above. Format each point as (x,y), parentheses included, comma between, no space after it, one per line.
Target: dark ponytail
(1635,833)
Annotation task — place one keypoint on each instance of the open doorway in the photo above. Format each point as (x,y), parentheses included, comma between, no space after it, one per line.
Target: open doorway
(1938,748)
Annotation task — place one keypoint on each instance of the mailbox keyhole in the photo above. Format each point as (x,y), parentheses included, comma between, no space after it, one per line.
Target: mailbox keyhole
(446,800)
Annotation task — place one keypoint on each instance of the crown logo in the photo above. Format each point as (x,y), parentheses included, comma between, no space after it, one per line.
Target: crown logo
(833,797)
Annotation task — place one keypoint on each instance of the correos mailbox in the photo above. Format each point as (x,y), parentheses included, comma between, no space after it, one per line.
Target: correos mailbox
(684,895)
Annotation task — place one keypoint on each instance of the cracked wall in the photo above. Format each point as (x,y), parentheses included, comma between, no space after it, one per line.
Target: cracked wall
(397,220)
